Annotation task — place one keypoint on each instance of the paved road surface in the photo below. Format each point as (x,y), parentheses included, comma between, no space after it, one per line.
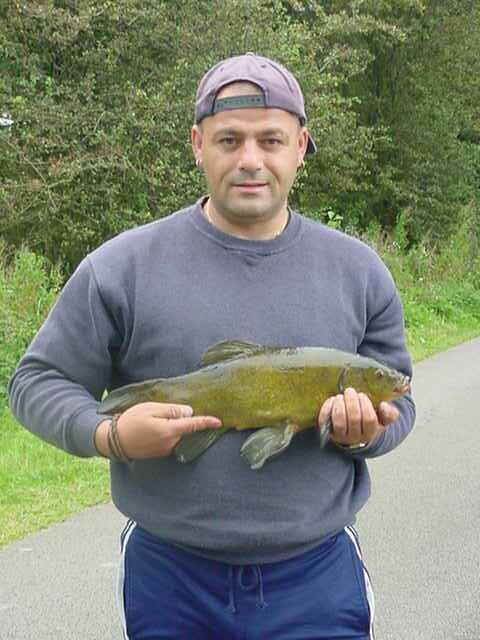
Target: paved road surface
(420,534)
(421,528)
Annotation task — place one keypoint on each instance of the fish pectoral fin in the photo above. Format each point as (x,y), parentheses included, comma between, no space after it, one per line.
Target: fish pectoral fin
(264,444)
(193,444)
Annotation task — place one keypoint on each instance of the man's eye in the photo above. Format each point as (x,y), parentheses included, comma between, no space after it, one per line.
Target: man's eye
(228,141)
(272,142)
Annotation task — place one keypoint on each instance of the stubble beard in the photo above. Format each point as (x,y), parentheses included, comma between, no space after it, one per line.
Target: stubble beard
(249,210)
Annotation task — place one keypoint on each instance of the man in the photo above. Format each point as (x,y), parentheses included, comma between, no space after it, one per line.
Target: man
(212,549)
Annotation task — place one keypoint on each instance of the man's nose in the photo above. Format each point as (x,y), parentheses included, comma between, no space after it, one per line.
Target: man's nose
(250,157)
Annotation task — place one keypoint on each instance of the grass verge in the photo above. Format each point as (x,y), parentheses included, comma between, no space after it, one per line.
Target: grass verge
(440,316)
(439,335)
(39,484)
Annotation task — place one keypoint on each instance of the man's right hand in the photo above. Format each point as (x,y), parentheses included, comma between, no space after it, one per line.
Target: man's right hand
(152,429)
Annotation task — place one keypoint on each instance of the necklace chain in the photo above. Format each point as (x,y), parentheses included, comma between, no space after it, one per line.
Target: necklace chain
(207,213)
(209,218)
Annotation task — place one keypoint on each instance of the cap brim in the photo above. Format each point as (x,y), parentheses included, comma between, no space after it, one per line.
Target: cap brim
(311,146)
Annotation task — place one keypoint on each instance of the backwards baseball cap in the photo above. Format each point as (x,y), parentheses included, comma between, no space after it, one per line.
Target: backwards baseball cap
(279,87)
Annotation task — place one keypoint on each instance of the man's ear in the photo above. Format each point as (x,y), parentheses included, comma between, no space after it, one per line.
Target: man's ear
(197,140)
(302,145)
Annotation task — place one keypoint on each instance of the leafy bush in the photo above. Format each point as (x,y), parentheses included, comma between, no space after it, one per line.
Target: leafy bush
(27,292)
(102,98)
(437,285)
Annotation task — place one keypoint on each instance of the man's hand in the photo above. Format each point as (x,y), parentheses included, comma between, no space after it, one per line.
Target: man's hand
(354,418)
(152,429)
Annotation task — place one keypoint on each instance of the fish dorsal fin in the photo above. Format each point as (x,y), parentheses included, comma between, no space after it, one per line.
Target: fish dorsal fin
(229,349)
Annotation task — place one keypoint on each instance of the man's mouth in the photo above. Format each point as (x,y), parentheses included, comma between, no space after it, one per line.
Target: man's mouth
(250,186)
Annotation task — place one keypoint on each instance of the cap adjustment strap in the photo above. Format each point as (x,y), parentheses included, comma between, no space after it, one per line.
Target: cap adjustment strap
(239,102)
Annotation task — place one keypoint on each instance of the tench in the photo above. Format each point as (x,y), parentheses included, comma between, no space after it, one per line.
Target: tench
(277,391)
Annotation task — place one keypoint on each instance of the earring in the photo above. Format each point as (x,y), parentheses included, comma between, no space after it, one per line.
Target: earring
(198,162)
(301,166)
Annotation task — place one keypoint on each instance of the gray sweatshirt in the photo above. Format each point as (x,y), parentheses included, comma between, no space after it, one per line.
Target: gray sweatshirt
(147,304)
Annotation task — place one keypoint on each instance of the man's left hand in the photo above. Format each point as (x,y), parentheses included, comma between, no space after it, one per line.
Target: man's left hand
(354,418)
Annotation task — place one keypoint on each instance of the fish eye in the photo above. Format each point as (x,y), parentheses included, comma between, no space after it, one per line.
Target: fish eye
(379,374)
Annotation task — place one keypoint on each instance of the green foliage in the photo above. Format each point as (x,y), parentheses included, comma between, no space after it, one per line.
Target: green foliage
(27,293)
(439,287)
(102,96)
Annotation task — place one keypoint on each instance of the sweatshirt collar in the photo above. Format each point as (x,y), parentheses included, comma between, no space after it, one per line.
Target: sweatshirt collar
(279,243)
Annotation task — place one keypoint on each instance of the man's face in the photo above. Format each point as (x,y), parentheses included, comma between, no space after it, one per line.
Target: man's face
(250,158)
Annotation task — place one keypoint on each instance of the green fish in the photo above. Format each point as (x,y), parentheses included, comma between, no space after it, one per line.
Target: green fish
(276,390)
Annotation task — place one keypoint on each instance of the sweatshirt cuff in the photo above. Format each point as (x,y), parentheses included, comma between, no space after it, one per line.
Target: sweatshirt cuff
(81,433)
(363,449)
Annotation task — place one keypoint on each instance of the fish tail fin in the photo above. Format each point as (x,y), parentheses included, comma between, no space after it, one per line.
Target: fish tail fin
(116,402)
(267,443)
(193,444)
(123,398)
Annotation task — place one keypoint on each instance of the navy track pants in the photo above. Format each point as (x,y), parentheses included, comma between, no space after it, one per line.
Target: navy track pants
(167,593)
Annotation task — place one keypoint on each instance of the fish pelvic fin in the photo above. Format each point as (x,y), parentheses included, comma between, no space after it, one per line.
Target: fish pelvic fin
(267,443)
(194,444)
(325,432)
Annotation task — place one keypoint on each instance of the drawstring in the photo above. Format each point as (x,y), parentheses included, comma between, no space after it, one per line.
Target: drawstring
(257,582)
(231,591)
(257,572)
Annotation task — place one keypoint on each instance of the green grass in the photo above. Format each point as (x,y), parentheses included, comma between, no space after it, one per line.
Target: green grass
(39,484)
(438,337)
(440,315)
(428,332)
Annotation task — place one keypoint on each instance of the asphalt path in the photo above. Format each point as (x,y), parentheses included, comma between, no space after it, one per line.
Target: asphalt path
(420,533)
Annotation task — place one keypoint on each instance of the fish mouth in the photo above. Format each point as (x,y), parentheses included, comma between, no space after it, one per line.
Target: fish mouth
(403,386)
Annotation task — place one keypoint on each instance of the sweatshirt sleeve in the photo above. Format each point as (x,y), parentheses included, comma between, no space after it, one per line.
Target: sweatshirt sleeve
(384,340)
(57,386)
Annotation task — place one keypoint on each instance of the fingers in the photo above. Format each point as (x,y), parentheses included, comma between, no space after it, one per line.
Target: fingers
(174,430)
(181,426)
(325,411)
(152,429)
(387,413)
(354,418)
(347,417)
(166,410)
(181,416)
(370,424)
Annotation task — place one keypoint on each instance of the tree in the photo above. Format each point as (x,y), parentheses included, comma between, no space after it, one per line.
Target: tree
(102,98)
